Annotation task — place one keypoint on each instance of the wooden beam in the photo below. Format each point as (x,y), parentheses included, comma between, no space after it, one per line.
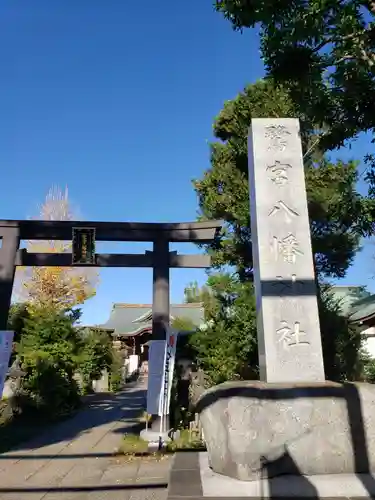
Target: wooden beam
(203,232)
(65,260)
(192,261)
(111,260)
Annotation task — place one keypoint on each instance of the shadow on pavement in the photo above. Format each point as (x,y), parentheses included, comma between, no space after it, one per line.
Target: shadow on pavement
(70,489)
(133,428)
(108,408)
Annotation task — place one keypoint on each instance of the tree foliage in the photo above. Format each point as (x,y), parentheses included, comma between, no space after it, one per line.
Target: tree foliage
(57,287)
(226,347)
(49,350)
(342,341)
(183,323)
(96,355)
(194,293)
(339,215)
(53,350)
(324,51)
(18,314)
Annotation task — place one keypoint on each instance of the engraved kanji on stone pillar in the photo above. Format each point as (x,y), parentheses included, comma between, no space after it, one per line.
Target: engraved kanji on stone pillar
(289,340)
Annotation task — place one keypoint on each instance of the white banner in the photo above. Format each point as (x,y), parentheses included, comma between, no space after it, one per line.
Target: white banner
(161,362)
(170,357)
(156,364)
(6,345)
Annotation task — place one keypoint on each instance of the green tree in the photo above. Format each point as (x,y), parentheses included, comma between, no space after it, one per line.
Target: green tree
(18,314)
(96,355)
(343,352)
(183,323)
(49,350)
(339,215)
(194,293)
(324,51)
(226,349)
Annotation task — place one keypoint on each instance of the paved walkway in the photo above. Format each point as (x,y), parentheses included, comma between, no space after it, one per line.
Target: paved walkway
(75,460)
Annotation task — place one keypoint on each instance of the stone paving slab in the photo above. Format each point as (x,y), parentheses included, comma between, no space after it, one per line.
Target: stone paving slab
(76,460)
(192,479)
(153,468)
(120,472)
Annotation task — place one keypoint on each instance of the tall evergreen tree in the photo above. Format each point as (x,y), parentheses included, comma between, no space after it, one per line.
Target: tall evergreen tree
(339,217)
(339,214)
(324,51)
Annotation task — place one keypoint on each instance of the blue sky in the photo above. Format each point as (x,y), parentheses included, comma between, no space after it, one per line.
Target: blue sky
(116,100)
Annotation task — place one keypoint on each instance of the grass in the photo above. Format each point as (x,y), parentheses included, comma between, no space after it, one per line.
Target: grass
(132,444)
(134,447)
(145,417)
(186,441)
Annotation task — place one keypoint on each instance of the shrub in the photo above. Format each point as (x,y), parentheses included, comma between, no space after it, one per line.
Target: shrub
(95,356)
(115,372)
(49,350)
(226,349)
(341,341)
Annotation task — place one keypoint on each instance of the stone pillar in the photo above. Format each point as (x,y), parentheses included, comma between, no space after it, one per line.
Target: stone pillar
(289,341)
(9,241)
(101,385)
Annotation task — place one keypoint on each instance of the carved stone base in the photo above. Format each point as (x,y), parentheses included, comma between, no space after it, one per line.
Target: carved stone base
(255,430)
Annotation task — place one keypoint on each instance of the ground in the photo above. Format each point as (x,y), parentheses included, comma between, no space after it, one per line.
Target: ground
(77,459)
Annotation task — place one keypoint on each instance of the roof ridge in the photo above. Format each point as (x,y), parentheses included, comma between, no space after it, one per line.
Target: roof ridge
(149,306)
(347,286)
(125,304)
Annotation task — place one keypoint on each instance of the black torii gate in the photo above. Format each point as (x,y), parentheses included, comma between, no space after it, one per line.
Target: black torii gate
(160,258)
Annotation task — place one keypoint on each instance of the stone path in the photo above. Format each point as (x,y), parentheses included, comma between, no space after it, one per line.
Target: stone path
(75,460)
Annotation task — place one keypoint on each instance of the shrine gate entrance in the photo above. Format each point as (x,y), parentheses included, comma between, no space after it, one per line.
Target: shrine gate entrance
(84,235)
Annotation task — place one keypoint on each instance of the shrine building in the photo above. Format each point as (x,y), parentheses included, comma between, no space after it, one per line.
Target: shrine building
(131,324)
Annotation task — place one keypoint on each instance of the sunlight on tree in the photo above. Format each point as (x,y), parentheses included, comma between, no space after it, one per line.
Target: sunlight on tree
(60,287)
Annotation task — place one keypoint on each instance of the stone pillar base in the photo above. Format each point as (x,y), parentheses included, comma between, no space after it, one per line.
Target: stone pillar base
(255,430)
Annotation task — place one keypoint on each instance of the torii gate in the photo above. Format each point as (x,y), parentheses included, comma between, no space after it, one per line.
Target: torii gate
(84,234)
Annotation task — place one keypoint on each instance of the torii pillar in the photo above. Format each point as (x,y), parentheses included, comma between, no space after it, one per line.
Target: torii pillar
(160,288)
(163,261)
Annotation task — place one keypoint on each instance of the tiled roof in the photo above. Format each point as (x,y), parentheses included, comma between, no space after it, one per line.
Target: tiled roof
(348,296)
(132,319)
(363,309)
(355,303)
